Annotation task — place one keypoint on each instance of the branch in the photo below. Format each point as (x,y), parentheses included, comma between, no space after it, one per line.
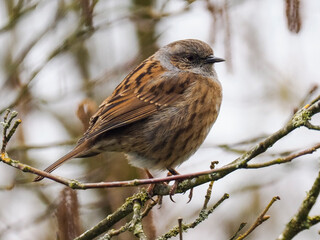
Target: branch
(209,190)
(203,215)
(180,227)
(136,225)
(301,220)
(286,159)
(6,125)
(137,201)
(111,233)
(126,227)
(262,218)
(113,218)
(242,225)
(311,126)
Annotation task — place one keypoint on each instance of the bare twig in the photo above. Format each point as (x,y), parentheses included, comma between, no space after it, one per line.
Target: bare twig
(209,190)
(149,206)
(208,195)
(112,232)
(180,228)
(293,15)
(242,225)
(311,126)
(262,218)
(288,158)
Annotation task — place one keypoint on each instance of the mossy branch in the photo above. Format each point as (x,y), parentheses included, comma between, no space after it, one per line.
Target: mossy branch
(203,215)
(113,218)
(301,220)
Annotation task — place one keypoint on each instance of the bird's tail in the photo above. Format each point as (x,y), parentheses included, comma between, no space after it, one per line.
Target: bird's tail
(76,152)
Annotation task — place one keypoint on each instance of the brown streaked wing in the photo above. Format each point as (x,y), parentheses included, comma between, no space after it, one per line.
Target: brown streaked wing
(133,105)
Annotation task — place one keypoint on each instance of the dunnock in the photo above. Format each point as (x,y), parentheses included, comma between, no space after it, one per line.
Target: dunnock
(160,113)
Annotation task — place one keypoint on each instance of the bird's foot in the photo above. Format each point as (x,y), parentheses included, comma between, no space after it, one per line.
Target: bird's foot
(175,185)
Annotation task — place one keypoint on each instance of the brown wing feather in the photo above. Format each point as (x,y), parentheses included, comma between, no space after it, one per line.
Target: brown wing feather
(120,114)
(135,104)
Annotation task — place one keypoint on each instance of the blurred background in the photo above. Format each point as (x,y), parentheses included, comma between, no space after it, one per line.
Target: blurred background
(60,59)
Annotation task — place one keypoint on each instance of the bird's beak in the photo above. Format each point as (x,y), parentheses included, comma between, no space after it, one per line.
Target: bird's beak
(213,59)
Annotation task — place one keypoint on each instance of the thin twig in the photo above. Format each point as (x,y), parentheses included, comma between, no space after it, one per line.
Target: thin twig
(311,126)
(242,225)
(208,195)
(262,218)
(209,190)
(112,232)
(288,158)
(180,228)
(148,208)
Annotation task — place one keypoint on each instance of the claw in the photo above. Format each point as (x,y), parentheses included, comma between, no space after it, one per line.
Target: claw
(190,195)
(175,185)
(170,196)
(173,190)
(173,171)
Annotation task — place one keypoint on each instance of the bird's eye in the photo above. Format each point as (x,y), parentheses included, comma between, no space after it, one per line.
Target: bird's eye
(190,58)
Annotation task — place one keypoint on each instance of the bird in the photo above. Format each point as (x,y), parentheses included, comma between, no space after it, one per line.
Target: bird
(160,114)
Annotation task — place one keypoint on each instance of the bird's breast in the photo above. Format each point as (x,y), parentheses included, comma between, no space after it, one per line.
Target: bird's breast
(176,132)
